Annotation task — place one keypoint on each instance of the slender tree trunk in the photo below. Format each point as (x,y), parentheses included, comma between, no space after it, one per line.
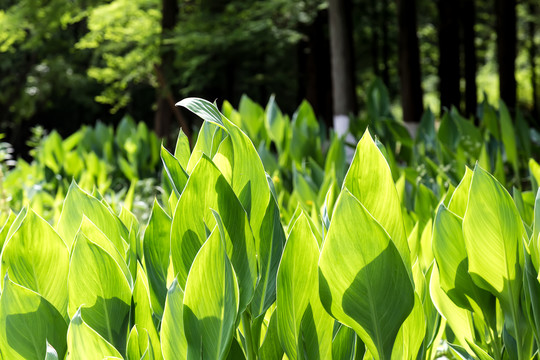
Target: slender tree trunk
(468,11)
(409,62)
(316,82)
(532,57)
(506,50)
(343,86)
(449,54)
(375,37)
(165,113)
(385,44)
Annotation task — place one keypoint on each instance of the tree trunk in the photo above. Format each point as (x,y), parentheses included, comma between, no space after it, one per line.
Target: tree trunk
(449,54)
(385,44)
(315,81)
(506,50)
(343,86)
(165,113)
(468,19)
(375,37)
(532,57)
(409,62)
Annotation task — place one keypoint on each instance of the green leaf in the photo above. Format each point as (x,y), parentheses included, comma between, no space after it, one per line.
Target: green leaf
(182,151)
(493,234)
(138,344)
(173,337)
(369,179)
(27,323)
(344,343)
(156,249)
(249,182)
(210,324)
(460,197)
(411,334)
(193,216)
(5,228)
(177,175)
(271,347)
(143,312)
(458,318)
(298,304)
(508,136)
(97,284)
(36,257)
(51,353)
(84,343)
(79,203)
(91,231)
(354,282)
(453,264)
(269,255)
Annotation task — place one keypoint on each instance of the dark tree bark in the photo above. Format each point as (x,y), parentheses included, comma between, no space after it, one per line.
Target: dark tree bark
(449,54)
(532,56)
(409,62)
(314,68)
(165,113)
(468,19)
(342,62)
(385,44)
(506,50)
(374,18)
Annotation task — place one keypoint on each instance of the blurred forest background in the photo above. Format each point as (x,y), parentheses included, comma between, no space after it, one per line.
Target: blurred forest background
(64,63)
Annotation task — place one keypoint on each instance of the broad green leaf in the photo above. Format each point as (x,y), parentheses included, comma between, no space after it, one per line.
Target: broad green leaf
(276,126)
(209,324)
(5,228)
(305,134)
(451,256)
(137,344)
(248,178)
(493,234)
(354,282)
(36,257)
(249,182)
(252,118)
(298,306)
(177,175)
(460,197)
(269,256)
(531,289)
(207,189)
(27,323)
(344,343)
(97,284)
(51,353)
(369,179)
(173,337)
(508,136)
(143,312)
(84,343)
(411,334)
(182,150)
(457,318)
(271,347)
(534,241)
(210,136)
(79,203)
(95,235)
(156,250)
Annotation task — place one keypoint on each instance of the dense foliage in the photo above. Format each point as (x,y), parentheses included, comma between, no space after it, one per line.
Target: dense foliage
(304,255)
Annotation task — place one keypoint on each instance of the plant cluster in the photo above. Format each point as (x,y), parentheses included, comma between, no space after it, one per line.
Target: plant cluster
(100,159)
(224,270)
